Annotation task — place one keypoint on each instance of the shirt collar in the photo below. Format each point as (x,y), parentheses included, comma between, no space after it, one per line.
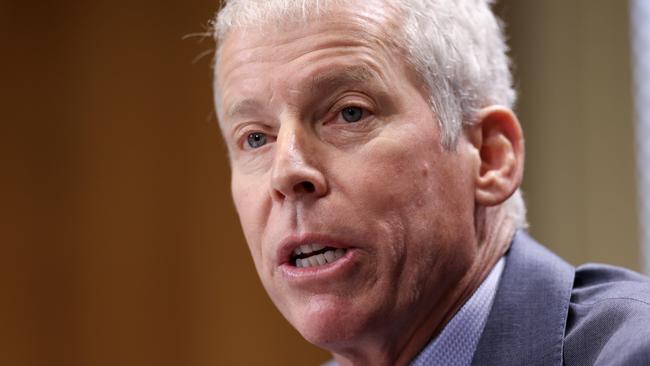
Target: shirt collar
(455,345)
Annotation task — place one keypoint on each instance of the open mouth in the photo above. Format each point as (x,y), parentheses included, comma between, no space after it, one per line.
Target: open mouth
(312,255)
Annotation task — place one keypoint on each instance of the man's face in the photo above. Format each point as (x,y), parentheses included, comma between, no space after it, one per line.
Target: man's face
(333,144)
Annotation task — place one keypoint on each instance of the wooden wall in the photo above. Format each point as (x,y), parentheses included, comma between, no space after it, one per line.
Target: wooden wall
(574,78)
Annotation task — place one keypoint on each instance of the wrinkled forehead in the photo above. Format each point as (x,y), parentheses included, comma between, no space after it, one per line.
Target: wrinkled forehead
(273,20)
(259,23)
(287,14)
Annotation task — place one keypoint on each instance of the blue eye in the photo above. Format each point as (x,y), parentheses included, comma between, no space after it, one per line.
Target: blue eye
(256,140)
(352,114)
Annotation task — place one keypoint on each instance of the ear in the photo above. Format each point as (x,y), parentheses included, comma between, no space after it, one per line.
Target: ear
(499,141)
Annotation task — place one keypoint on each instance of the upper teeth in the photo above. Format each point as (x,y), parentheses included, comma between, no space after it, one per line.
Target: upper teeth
(307,248)
(329,256)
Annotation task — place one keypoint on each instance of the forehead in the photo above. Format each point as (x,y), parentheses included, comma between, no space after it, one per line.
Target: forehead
(372,21)
(348,36)
(288,14)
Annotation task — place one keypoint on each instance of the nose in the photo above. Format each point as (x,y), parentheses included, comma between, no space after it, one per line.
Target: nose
(296,173)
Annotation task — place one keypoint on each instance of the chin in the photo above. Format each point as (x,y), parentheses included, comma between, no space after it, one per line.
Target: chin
(330,321)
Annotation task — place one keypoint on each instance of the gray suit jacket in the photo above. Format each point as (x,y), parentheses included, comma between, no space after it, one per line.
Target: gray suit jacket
(547,312)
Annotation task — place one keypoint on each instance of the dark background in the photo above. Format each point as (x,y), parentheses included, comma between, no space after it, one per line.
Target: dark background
(118,240)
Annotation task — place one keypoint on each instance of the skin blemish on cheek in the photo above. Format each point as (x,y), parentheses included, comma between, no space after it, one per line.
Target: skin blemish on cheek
(426,169)
(420,202)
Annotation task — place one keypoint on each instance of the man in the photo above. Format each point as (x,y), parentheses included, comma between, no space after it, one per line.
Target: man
(375,165)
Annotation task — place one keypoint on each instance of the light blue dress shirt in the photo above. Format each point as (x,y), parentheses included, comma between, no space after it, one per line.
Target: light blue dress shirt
(455,345)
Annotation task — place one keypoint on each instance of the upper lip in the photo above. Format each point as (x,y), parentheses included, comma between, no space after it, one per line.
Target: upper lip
(290,243)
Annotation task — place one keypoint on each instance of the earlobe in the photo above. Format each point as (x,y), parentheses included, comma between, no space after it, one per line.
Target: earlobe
(498,138)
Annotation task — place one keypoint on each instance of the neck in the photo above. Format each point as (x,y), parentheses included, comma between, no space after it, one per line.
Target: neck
(494,233)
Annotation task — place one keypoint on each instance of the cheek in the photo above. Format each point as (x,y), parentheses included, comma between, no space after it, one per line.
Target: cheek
(412,186)
(249,203)
(399,174)
(390,185)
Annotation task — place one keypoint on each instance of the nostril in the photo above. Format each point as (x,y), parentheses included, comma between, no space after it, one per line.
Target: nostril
(307,187)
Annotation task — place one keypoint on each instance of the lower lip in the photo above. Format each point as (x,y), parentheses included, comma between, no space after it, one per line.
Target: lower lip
(326,271)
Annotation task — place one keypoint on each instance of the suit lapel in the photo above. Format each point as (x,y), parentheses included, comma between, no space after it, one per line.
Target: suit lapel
(528,317)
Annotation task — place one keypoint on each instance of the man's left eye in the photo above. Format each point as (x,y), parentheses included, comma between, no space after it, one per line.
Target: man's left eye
(352,114)
(256,140)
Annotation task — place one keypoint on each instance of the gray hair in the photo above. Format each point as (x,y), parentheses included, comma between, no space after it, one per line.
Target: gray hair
(456,46)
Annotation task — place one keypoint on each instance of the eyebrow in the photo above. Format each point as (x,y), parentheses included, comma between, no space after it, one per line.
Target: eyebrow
(335,78)
(244,106)
(322,82)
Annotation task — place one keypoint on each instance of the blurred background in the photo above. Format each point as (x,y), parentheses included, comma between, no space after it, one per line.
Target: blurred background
(118,240)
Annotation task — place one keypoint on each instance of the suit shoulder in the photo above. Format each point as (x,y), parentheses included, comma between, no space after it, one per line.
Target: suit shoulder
(608,316)
(600,282)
